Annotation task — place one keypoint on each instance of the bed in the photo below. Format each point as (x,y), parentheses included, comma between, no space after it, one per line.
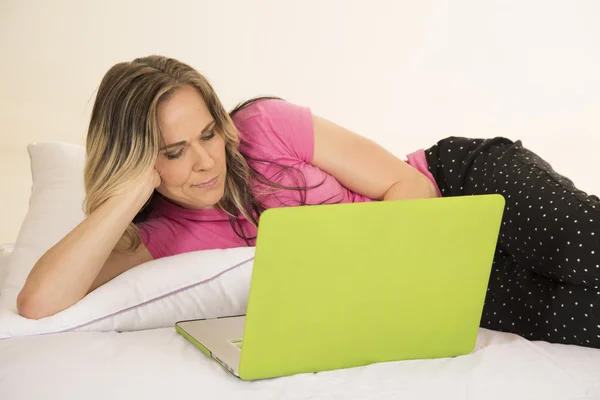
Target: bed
(158,364)
(119,341)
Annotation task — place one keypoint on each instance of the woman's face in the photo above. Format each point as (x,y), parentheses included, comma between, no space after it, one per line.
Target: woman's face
(191,162)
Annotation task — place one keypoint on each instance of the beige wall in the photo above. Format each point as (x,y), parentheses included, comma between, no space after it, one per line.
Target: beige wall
(405,73)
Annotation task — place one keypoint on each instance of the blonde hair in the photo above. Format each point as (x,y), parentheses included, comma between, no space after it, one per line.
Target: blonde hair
(123,137)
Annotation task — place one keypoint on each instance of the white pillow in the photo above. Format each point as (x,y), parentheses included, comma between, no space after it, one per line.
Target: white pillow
(5,251)
(55,206)
(203,284)
(157,294)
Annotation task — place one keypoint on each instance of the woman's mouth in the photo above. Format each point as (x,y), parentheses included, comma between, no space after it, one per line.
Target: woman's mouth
(207,184)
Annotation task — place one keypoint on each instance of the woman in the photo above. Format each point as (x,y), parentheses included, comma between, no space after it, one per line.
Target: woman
(169,171)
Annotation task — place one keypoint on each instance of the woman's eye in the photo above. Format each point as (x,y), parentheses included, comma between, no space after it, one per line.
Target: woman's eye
(209,136)
(173,156)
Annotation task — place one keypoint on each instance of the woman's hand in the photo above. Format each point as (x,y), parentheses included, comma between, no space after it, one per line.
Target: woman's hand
(139,190)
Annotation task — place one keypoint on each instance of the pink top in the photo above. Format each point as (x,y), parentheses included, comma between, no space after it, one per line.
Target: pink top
(273,130)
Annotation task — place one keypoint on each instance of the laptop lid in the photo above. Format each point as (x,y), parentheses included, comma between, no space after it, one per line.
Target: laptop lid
(337,286)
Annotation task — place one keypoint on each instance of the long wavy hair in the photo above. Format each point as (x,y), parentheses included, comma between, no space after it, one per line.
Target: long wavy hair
(124,138)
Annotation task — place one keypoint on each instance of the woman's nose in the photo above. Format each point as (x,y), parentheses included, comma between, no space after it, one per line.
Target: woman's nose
(202,160)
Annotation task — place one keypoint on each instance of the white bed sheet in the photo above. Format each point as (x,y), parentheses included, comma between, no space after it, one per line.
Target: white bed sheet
(160,364)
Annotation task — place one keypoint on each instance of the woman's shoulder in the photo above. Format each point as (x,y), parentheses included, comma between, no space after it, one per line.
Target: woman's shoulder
(277,127)
(258,107)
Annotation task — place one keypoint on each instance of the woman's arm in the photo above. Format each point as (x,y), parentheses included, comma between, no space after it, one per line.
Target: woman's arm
(85,258)
(365,167)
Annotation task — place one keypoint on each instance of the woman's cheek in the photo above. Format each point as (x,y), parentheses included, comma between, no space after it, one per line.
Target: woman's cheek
(172,175)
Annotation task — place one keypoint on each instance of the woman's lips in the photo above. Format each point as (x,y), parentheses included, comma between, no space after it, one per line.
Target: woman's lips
(208,184)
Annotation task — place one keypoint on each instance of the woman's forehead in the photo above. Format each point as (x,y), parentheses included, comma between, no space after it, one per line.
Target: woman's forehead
(183,115)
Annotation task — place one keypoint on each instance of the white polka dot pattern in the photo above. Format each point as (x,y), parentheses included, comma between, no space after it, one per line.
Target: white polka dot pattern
(545,281)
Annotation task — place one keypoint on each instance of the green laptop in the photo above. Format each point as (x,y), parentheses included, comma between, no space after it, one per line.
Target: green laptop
(346,285)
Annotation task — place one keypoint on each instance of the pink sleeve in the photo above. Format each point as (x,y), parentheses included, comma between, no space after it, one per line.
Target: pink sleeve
(418,160)
(283,128)
(158,235)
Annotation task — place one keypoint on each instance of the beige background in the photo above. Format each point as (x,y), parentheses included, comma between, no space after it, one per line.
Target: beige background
(405,73)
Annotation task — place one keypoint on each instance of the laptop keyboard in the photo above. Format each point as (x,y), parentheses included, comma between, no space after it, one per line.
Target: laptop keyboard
(237,343)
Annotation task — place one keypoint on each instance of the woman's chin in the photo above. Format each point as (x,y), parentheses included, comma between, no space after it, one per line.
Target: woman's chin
(208,200)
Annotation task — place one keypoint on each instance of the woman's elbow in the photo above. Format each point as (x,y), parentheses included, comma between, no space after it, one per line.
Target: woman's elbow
(31,306)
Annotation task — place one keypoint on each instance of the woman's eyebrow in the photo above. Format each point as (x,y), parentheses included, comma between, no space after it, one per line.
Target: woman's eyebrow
(181,143)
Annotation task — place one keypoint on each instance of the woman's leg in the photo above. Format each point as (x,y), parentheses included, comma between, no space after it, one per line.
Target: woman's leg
(538,308)
(549,239)
(549,225)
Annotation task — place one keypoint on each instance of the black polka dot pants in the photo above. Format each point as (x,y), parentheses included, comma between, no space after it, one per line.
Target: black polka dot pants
(545,281)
